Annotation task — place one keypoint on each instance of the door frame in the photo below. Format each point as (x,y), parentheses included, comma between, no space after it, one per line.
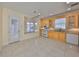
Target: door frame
(9,24)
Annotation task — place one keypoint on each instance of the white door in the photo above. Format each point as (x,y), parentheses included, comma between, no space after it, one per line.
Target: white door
(14,30)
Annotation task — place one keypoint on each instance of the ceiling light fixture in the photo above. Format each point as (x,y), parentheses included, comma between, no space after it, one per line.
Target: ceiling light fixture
(39,14)
(51,14)
(67,2)
(68,9)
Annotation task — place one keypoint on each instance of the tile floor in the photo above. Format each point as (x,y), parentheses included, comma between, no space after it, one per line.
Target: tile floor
(39,47)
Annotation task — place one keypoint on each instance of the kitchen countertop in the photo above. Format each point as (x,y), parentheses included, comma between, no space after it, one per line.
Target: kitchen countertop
(73,31)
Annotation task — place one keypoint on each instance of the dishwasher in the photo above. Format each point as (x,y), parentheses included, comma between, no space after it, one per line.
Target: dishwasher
(72,38)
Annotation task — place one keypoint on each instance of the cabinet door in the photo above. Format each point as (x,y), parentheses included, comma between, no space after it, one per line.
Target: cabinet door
(76,21)
(53,35)
(62,36)
(50,35)
(72,21)
(56,35)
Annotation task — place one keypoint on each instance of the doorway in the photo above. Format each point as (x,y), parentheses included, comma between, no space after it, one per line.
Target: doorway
(14,29)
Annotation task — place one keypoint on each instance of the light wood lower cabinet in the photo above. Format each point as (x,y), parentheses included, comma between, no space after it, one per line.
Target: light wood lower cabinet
(56,36)
(60,36)
(50,34)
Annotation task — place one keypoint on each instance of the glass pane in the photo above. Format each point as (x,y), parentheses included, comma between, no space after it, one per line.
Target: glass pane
(71,22)
(28,27)
(36,27)
(31,27)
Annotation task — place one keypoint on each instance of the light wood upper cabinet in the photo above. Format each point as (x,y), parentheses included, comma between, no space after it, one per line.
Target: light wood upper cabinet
(72,21)
(76,21)
(51,22)
(44,22)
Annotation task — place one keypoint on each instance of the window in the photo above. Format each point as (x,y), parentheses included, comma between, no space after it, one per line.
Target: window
(60,23)
(31,27)
(36,27)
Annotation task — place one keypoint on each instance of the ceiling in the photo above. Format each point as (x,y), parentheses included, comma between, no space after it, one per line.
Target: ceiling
(33,8)
(45,8)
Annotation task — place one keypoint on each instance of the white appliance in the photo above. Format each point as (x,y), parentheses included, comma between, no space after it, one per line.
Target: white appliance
(72,38)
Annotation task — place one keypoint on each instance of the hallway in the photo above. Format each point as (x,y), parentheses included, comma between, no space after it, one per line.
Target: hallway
(39,47)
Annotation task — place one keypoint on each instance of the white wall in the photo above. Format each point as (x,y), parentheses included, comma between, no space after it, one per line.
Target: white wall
(5,22)
(0,28)
(26,9)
